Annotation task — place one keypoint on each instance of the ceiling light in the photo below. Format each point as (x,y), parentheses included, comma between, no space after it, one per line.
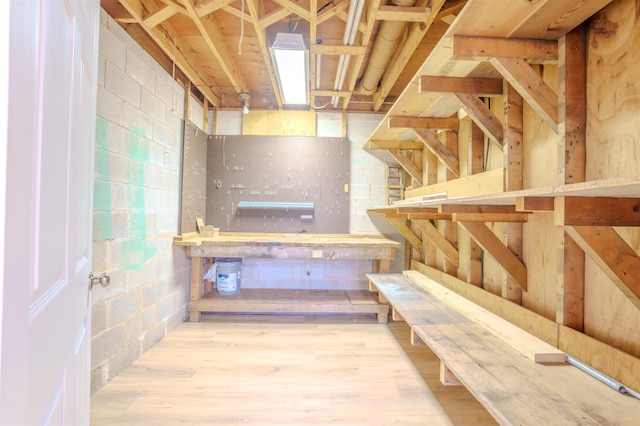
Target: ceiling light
(244,97)
(290,58)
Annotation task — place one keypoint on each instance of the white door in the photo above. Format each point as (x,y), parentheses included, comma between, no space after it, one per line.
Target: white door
(45,325)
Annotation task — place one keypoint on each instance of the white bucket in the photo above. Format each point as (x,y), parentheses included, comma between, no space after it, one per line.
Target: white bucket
(228,275)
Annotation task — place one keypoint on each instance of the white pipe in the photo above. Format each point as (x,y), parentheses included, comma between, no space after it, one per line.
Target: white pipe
(612,383)
(350,31)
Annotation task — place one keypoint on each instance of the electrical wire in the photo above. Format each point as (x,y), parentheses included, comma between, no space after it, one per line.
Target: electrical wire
(241,30)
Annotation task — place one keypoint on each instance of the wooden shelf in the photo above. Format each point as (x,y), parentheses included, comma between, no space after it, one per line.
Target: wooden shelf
(289,301)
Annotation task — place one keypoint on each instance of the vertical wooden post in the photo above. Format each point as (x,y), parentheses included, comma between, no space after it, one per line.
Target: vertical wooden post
(513,129)
(572,123)
(474,275)
(431,177)
(196,286)
(452,227)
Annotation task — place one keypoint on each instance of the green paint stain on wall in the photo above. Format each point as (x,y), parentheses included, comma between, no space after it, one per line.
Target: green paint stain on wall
(102,220)
(102,228)
(101,195)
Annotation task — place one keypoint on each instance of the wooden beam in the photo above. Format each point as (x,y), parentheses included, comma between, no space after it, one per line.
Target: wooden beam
(483,117)
(407,164)
(476,153)
(476,208)
(295,8)
(428,216)
(330,93)
(472,85)
(613,255)
(480,184)
(271,18)
(335,50)
(486,48)
(497,249)
(415,34)
(213,38)
(490,217)
(168,46)
(403,14)
(512,161)
(572,128)
(338,7)
(432,233)
(534,204)
(531,86)
(597,211)
(205,7)
(451,228)
(159,16)
(407,233)
(261,36)
(440,150)
(406,145)
(424,122)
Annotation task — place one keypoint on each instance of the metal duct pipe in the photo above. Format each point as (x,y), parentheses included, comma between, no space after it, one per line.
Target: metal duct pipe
(612,383)
(386,43)
(350,30)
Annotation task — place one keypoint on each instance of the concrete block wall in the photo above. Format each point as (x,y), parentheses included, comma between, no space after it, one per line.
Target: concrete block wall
(136,205)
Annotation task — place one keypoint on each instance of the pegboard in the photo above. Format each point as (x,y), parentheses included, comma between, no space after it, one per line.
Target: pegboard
(194,169)
(278,184)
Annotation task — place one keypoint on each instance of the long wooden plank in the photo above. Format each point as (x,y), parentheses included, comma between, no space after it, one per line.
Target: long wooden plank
(414,305)
(486,87)
(499,251)
(513,391)
(613,255)
(597,211)
(423,122)
(490,182)
(536,324)
(485,48)
(530,346)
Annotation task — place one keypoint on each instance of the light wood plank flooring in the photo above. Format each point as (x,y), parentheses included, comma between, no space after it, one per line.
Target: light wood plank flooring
(285,370)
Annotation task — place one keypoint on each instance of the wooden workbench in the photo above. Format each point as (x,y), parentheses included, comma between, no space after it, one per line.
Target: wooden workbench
(377,248)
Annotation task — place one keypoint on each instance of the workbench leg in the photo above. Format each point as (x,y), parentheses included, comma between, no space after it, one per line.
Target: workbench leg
(381,266)
(196,287)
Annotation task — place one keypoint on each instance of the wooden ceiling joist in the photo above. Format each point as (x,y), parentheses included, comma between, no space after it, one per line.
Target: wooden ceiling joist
(173,48)
(407,164)
(485,87)
(273,17)
(613,255)
(486,48)
(440,150)
(159,16)
(205,7)
(338,49)
(403,14)
(490,243)
(450,123)
(295,8)
(212,36)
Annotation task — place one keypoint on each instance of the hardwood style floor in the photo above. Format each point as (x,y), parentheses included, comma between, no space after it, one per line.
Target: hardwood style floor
(285,370)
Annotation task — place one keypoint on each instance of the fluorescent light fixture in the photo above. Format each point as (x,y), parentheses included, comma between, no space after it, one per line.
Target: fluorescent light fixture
(290,59)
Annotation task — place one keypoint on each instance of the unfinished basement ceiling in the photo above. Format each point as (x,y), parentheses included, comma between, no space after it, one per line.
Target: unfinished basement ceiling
(222,46)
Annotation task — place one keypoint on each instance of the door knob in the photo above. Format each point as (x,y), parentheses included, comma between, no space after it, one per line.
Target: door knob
(104,280)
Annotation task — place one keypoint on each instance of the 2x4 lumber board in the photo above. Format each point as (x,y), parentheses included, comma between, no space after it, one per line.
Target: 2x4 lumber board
(476,154)
(535,204)
(335,50)
(440,150)
(486,183)
(490,217)
(451,229)
(295,8)
(597,211)
(530,346)
(433,235)
(428,216)
(530,85)
(541,327)
(572,128)
(483,117)
(205,7)
(403,14)
(491,244)
(415,305)
(407,233)
(478,48)
(514,390)
(613,255)
(479,86)
(159,16)
(476,208)
(451,123)
(406,145)
(613,362)
(407,164)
